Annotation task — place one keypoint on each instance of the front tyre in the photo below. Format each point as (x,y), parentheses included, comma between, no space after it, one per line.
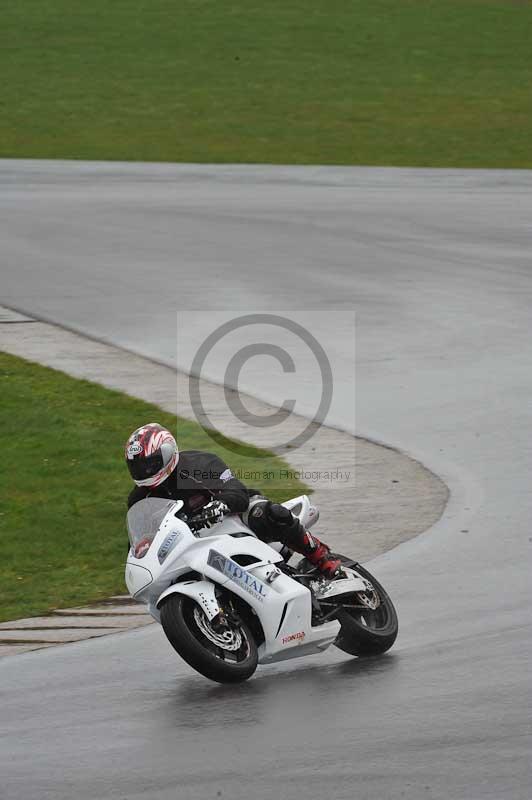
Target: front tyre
(224,653)
(367,631)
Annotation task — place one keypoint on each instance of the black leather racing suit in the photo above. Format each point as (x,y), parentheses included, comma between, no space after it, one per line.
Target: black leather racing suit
(200,477)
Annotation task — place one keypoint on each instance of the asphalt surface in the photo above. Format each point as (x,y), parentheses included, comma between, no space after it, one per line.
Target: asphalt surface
(437,265)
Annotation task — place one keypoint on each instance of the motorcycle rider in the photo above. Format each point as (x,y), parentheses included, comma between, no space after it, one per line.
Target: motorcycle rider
(209,490)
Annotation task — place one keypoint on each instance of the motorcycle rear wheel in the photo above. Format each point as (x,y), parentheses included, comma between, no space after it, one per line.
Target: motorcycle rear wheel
(367,632)
(225,659)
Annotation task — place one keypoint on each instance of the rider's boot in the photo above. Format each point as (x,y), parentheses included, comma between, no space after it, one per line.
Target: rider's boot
(318,554)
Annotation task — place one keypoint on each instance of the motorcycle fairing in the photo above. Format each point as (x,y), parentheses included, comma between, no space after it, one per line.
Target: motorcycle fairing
(283,606)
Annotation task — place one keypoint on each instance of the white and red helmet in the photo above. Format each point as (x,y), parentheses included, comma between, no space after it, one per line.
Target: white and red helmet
(151,454)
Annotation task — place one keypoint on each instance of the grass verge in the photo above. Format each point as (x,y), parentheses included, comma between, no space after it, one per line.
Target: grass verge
(64,485)
(402,82)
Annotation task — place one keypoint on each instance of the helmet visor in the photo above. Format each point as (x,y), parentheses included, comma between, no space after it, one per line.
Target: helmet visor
(145,466)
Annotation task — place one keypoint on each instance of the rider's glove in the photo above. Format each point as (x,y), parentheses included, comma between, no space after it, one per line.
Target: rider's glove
(210,514)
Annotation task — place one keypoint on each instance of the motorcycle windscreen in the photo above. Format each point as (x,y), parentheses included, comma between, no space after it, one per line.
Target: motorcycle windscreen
(143,522)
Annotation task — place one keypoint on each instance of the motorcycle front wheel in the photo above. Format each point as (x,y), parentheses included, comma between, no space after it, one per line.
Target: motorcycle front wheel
(367,631)
(225,653)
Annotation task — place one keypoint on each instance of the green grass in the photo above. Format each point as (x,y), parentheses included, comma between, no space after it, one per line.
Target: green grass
(404,82)
(64,485)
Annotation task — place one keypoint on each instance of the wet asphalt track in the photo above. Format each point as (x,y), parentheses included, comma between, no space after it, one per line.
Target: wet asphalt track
(438,266)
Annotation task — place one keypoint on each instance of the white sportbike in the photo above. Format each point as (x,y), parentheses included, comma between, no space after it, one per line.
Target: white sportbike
(227,601)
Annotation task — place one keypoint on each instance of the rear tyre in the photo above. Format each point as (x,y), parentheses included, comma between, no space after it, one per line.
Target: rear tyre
(366,631)
(225,654)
